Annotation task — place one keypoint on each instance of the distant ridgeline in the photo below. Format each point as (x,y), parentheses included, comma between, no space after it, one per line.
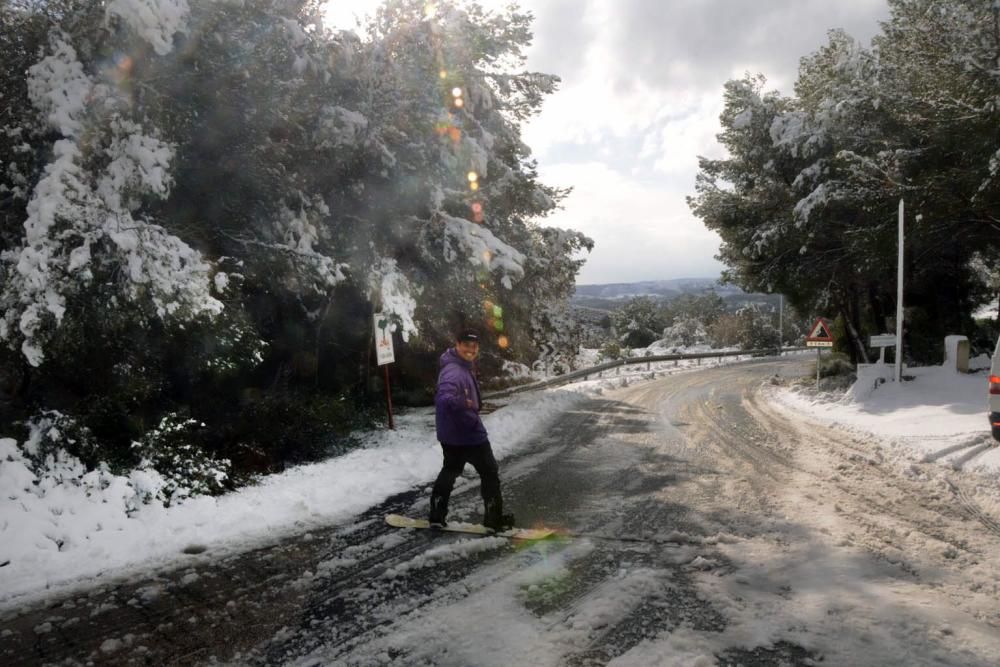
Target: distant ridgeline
(609,297)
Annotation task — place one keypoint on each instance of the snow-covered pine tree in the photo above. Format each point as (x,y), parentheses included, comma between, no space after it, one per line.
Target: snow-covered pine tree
(806,201)
(215,196)
(638,322)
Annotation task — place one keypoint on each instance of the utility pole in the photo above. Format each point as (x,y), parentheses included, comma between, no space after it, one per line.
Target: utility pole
(899,300)
(781,317)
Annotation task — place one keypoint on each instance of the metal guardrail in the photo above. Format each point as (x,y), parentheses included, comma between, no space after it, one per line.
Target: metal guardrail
(617,363)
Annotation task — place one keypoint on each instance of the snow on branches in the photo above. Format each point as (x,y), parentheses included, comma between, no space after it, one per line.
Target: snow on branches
(300,232)
(388,287)
(74,209)
(58,88)
(480,246)
(156,21)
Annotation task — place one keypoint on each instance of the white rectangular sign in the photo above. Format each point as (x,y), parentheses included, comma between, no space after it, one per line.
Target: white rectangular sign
(383,340)
(819,343)
(883,340)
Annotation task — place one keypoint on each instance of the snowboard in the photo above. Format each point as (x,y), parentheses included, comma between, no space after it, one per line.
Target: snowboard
(400,521)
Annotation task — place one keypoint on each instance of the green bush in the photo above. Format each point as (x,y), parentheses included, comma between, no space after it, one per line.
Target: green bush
(983,338)
(176,449)
(51,433)
(834,365)
(276,430)
(612,351)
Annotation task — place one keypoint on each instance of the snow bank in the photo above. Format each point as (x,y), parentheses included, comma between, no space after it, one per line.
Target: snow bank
(938,416)
(66,534)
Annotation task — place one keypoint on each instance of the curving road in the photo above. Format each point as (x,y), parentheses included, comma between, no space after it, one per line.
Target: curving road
(700,524)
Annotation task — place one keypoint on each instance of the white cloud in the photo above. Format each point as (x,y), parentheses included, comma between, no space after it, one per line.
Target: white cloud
(640,101)
(642,229)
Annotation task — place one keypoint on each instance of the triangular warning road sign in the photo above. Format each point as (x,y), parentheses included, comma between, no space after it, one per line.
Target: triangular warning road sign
(820,331)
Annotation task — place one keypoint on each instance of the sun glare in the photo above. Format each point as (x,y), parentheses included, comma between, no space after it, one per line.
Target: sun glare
(346,14)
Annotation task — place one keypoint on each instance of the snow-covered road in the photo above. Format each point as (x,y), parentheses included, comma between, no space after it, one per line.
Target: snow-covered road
(701,523)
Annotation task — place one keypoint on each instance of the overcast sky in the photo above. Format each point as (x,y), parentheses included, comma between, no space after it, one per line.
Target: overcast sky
(640,100)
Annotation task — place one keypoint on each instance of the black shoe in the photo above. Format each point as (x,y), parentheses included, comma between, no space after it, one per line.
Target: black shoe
(505,522)
(439,509)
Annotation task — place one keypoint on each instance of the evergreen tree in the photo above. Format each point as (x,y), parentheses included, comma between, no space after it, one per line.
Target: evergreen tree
(204,204)
(806,201)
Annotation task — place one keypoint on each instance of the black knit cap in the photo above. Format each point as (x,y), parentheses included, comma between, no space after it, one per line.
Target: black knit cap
(468,336)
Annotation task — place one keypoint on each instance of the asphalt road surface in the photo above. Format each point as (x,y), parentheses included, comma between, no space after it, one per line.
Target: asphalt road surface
(697,522)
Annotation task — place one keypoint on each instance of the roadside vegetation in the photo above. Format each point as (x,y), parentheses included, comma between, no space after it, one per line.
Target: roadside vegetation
(203,204)
(806,201)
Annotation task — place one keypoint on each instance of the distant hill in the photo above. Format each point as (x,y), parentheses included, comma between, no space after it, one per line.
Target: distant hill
(592,305)
(612,295)
(660,288)
(609,297)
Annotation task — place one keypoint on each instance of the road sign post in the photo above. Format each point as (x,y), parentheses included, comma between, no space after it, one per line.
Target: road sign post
(899,299)
(781,317)
(820,336)
(385,356)
(882,341)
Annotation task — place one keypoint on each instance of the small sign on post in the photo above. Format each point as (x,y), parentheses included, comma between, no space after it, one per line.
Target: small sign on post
(820,336)
(383,340)
(882,341)
(385,356)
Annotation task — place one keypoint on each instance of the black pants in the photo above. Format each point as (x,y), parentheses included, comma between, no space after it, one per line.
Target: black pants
(455,458)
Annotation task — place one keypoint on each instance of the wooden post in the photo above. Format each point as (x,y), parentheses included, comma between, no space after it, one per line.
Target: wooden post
(819,352)
(388,397)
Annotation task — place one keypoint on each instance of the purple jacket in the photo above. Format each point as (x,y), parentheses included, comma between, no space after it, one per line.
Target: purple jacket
(458,423)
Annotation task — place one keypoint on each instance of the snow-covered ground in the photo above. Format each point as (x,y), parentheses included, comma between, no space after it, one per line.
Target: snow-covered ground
(55,537)
(61,538)
(939,415)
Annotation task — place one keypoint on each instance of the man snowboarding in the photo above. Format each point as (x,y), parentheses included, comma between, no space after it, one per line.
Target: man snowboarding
(462,435)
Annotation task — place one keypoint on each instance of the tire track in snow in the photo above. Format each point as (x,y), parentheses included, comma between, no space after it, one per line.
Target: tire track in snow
(973,509)
(959,463)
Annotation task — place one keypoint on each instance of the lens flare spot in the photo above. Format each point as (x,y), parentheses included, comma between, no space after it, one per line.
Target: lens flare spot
(455,134)
(443,74)
(502,342)
(474,186)
(456,92)
(459,103)
(477,207)
(497,311)
(488,306)
(472,176)
(124,63)
(487,256)
(430,10)
(498,325)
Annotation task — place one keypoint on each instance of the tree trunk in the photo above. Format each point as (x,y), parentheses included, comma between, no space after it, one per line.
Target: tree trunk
(851,316)
(878,311)
(319,338)
(859,344)
(366,364)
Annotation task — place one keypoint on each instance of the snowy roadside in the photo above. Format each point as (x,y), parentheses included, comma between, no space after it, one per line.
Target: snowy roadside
(55,538)
(939,417)
(68,538)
